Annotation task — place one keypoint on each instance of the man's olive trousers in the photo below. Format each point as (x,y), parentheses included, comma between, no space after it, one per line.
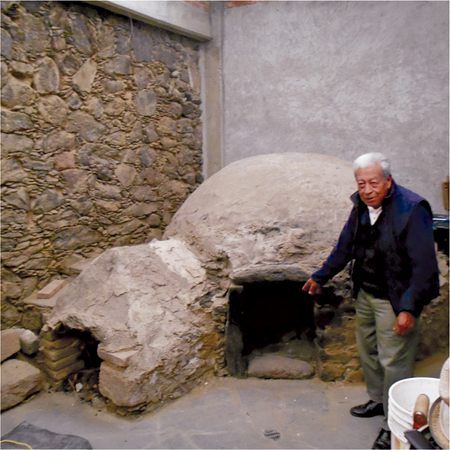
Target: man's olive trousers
(385,357)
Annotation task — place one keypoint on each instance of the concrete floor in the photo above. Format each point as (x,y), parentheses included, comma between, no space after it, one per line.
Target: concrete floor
(222,413)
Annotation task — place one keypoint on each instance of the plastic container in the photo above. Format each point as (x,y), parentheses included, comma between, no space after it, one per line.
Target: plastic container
(401,402)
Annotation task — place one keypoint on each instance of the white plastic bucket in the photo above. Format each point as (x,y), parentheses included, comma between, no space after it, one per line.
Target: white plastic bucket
(401,401)
(405,423)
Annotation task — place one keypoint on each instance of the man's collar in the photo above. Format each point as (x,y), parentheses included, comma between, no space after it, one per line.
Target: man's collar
(391,191)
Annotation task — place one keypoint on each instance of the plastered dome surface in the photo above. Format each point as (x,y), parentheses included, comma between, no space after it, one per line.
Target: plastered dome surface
(268,214)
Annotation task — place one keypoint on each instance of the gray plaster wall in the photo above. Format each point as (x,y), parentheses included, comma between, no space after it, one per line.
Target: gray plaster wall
(340,78)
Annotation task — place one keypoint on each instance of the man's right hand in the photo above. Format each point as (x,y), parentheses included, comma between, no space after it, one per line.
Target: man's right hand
(311,287)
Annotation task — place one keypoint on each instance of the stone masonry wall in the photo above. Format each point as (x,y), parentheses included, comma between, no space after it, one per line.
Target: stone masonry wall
(338,353)
(101,137)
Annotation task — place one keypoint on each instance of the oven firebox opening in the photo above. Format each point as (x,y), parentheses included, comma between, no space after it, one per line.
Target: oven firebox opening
(269,318)
(70,360)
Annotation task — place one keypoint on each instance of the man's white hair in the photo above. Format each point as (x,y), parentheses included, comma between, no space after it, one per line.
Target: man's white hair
(373,159)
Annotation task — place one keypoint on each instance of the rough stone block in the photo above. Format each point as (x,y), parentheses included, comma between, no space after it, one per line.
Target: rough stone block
(84,78)
(10,342)
(120,65)
(6,44)
(17,93)
(115,385)
(19,380)
(29,342)
(51,289)
(275,366)
(14,121)
(53,109)
(65,161)
(120,359)
(58,375)
(46,78)
(145,102)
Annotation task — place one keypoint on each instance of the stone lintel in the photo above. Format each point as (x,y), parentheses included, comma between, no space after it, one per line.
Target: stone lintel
(120,359)
(236,287)
(270,272)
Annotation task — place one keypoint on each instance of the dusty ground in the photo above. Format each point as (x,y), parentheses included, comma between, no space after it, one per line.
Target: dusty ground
(224,413)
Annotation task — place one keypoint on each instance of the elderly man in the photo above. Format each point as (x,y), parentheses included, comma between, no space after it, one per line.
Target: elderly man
(389,238)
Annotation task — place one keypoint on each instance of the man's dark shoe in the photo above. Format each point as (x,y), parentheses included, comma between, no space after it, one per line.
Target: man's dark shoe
(383,439)
(369,409)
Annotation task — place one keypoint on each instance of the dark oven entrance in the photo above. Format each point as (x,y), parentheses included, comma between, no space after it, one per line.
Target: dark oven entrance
(268,318)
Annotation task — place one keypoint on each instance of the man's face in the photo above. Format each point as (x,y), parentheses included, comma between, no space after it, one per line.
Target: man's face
(372,185)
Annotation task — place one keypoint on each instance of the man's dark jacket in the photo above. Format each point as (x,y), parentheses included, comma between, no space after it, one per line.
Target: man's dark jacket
(407,242)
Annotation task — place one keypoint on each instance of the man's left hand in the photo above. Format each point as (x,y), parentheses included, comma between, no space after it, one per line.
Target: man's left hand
(404,323)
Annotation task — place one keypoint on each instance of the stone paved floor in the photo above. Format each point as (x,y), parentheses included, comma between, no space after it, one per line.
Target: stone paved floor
(224,413)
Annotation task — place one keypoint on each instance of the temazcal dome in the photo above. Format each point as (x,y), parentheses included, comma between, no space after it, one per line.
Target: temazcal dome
(163,304)
(270,210)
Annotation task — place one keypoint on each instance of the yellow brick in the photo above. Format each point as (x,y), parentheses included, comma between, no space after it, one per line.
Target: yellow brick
(60,364)
(58,375)
(55,354)
(60,343)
